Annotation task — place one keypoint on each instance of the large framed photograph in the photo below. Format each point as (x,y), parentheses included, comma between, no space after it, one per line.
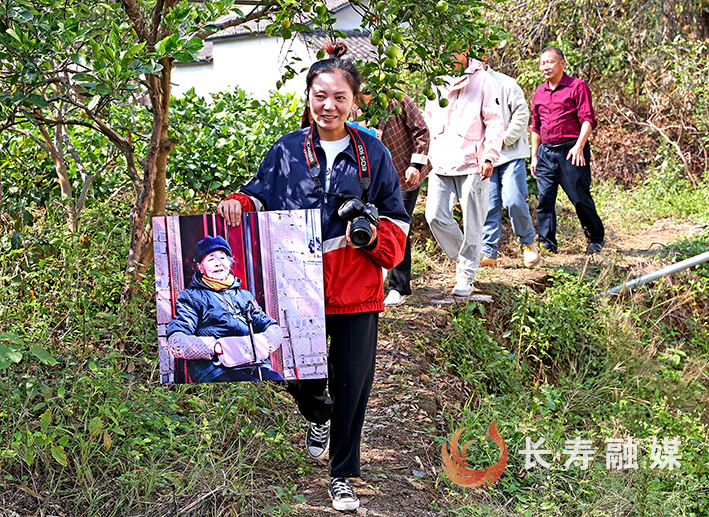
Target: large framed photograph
(240,303)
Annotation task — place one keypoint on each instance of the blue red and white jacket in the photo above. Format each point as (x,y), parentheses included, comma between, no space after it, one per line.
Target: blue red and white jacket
(353,277)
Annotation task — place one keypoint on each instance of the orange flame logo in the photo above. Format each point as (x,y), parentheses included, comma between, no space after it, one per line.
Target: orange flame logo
(457,469)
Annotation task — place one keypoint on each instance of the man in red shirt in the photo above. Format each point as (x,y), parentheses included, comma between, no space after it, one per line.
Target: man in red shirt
(562,121)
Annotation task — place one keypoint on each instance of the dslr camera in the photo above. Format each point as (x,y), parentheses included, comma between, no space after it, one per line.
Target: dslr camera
(361,215)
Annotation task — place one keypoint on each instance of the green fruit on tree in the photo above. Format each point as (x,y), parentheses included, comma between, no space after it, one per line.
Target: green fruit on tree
(438,81)
(392,51)
(285,23)
(442,6)
(373,121)
(384,104)
(397,38)
(399,96)
(320,9)
(382,98)
(392,78)
(381,5)
(429,93)
(442,102)
(286,33)
(391,62)
(391,94)
(396,110)
(376,38)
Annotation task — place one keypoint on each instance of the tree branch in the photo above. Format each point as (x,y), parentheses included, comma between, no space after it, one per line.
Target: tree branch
(631,117)
(77,159)
(29,135)
(88,180)
(132,9)
(256,14)
(157,19)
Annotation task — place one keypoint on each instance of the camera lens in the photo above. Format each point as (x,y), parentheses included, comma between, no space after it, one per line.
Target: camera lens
(360,232)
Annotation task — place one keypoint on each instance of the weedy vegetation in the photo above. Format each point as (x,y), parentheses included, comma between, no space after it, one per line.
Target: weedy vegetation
(566,364)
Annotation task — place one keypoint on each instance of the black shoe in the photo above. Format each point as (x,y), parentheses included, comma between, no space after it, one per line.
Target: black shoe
(343,497)
(593,248)
(549,247)
(317,440)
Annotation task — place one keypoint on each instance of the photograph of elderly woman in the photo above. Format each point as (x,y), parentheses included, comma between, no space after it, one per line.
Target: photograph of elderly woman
(240,303)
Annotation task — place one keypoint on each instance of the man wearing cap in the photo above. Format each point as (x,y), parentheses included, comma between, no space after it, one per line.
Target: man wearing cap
(562,121)
(210,328)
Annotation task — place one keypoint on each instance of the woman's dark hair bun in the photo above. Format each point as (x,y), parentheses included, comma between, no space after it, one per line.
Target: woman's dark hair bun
(334,63)
(335,49)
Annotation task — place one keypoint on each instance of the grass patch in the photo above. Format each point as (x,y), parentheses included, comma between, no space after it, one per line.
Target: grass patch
(590,369)
(664,193)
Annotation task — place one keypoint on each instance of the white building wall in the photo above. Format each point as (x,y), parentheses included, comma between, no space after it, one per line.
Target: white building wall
(254,64)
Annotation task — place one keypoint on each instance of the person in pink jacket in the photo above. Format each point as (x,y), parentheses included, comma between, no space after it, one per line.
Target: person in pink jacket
(466,138)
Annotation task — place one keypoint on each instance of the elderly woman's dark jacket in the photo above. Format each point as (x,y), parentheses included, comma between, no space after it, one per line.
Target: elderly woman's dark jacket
(202,311)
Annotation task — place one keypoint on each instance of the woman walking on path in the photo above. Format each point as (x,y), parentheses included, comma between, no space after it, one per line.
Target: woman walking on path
(349,176)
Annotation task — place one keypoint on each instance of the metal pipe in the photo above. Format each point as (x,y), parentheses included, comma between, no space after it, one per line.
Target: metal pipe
(674,268)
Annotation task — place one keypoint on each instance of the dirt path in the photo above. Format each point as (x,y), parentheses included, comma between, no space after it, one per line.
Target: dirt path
(400,460)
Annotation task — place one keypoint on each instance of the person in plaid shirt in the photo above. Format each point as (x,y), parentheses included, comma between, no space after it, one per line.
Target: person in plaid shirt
(406,136)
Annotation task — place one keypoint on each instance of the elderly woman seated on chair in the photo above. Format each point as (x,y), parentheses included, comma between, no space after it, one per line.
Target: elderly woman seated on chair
(218,328)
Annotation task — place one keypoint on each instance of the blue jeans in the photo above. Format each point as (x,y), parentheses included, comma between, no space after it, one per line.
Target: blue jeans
(553,169)
(508,190)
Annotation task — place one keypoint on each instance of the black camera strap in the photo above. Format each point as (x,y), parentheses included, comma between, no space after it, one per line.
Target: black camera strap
(365,179)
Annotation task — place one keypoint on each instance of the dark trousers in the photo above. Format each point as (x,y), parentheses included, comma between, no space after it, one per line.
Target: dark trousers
(400,276)
(350,361)
(553,169)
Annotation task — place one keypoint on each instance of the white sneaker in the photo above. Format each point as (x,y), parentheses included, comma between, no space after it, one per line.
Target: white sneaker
(343,497)
(463,288)
(394,298)
(317,440)
(531,255)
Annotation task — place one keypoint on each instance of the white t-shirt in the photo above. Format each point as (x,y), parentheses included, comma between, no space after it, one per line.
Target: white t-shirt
(332,148)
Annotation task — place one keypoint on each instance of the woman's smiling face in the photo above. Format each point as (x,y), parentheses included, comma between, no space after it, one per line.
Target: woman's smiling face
(216,265)
(331,99)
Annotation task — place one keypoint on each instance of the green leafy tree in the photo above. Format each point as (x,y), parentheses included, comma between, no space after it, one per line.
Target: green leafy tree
(64,64)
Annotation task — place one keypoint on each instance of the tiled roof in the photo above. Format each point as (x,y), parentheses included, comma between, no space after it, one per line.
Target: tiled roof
(358,44)
(258,27)
(205,55)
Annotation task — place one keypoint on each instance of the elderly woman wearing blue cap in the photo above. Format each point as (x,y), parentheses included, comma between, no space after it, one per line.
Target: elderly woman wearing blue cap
(213,316)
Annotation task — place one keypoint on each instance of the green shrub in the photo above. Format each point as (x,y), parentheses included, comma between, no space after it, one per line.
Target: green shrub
(560,327)
(477,357)
(222,143)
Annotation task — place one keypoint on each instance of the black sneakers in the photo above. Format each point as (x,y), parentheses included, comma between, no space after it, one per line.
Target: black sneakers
(594,248)
(343,497)
(317,440)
